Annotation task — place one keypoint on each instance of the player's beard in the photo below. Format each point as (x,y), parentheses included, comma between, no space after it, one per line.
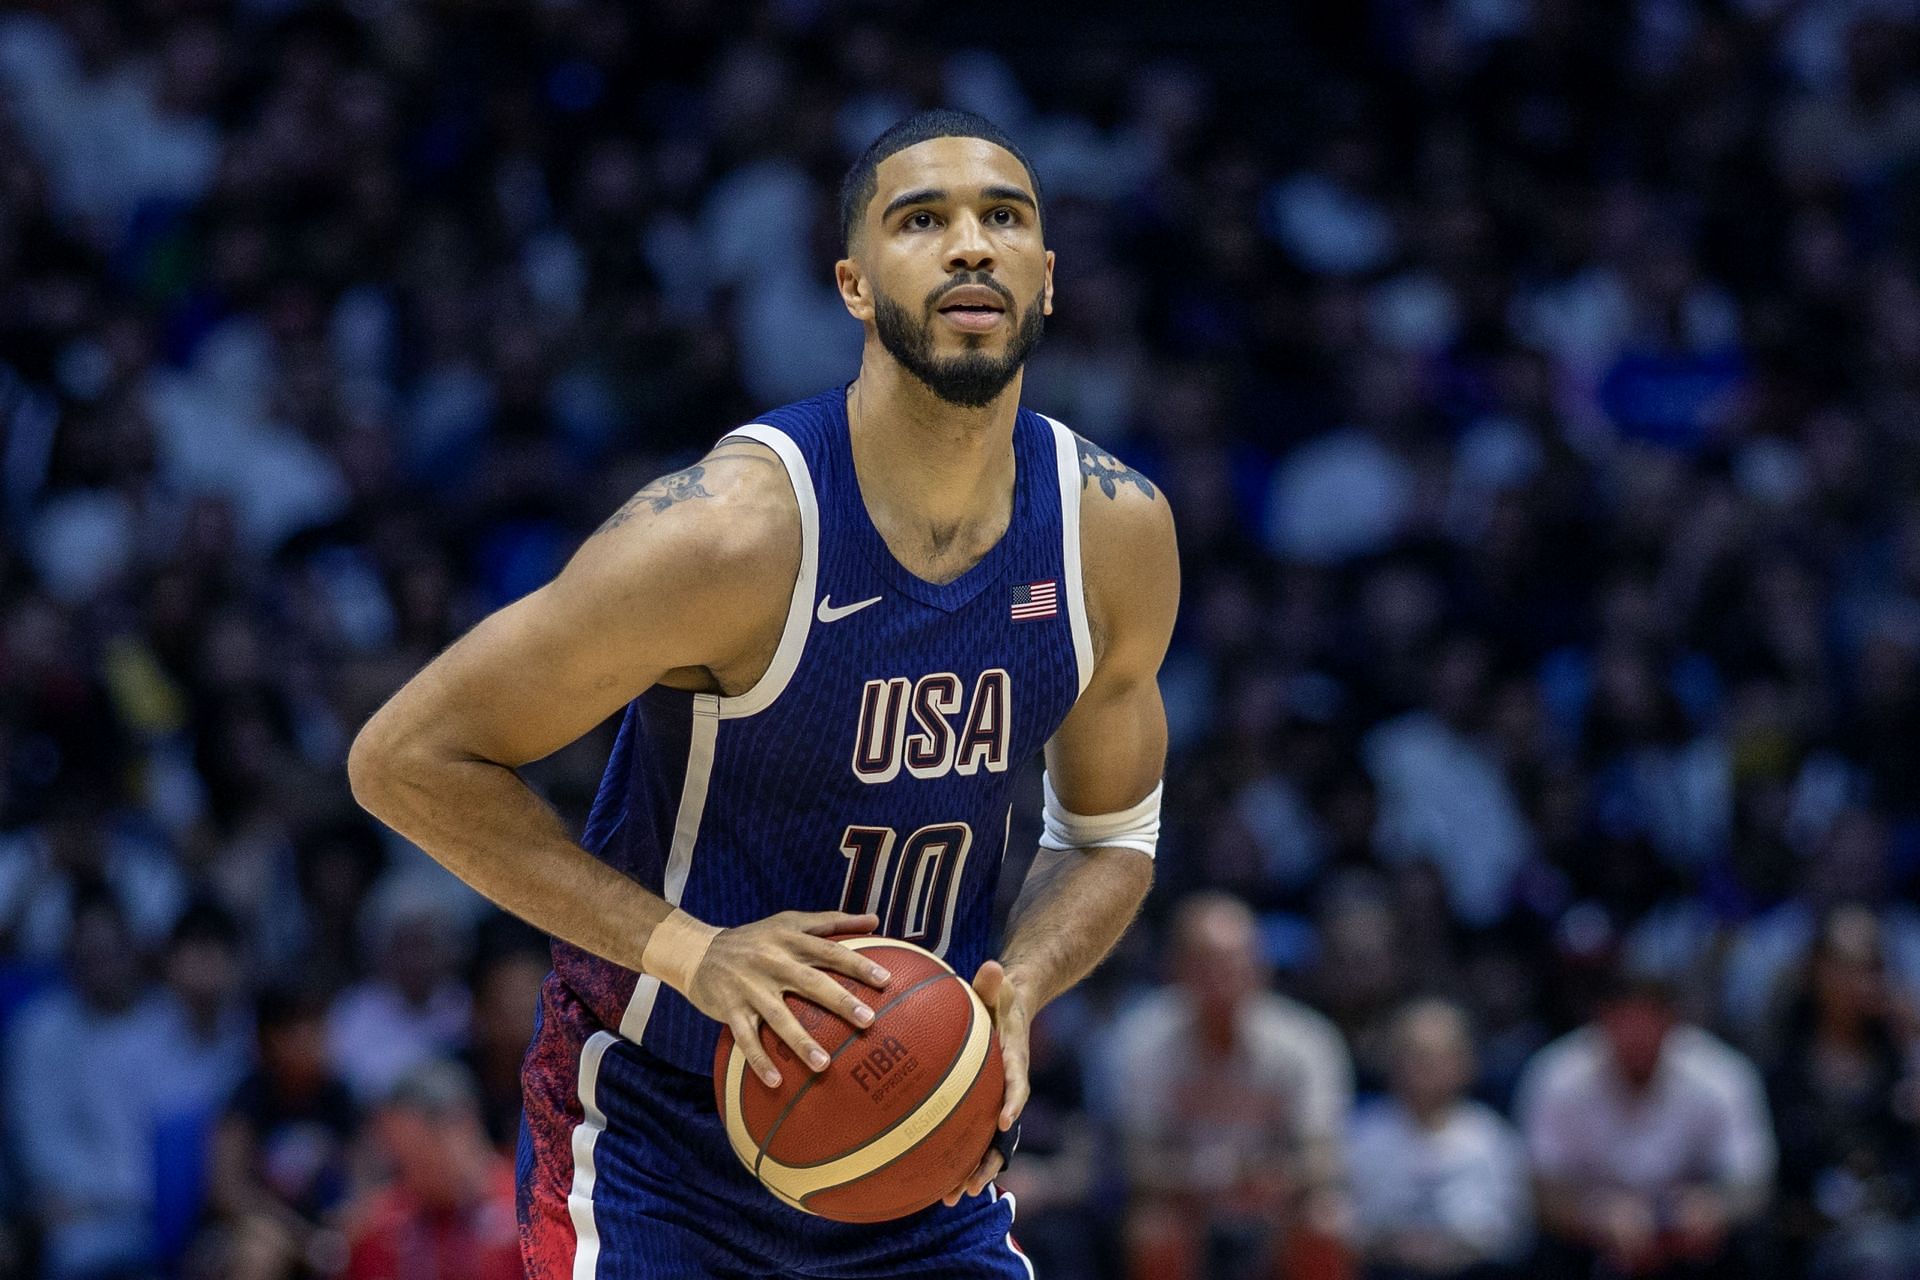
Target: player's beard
(969,380)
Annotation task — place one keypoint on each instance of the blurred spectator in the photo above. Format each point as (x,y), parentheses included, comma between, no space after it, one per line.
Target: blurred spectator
(1852,865)
(1443,792)
(82,1102)
(204,1050)
(1364,971)
(1843,1098)
(44,869)
(1439,1182)
(337,865)
(210,1045)
(449,1210)
(1651,1144)
(1231,1102)
(280,1156)
(413,1008)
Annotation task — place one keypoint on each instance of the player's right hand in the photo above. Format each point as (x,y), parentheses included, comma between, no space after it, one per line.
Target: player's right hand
(744,978)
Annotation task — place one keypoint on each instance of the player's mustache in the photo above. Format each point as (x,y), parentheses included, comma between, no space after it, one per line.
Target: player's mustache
(981,278)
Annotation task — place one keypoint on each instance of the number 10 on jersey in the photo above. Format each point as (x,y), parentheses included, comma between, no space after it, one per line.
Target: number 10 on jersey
(911,884)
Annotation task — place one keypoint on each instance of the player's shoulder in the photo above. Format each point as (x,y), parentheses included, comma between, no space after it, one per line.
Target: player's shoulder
(1129,555)
(1115,494)
(736,505)
(721,536)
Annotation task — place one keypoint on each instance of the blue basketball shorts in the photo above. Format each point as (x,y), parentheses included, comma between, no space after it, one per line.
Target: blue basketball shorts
(625,1173)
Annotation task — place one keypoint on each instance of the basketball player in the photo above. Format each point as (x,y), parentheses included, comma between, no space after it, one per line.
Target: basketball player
(835,639)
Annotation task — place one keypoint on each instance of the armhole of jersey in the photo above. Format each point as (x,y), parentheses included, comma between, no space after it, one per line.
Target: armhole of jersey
(1067,453)
(793,637)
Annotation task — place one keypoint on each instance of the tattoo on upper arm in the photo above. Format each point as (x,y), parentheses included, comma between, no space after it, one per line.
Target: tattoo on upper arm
(659,495)
(1097,464)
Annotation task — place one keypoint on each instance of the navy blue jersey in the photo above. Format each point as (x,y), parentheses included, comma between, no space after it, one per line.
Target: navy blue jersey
(871,767)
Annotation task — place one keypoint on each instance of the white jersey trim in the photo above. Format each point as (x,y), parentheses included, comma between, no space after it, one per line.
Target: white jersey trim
(686,831)
(793,638)
(1067,452)
(586,1236)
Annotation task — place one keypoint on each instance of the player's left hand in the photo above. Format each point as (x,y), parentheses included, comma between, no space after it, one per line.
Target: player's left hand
(1007,1002)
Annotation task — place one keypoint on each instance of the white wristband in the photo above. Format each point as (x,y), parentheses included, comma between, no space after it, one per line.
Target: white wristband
(675,949)
(1137,828)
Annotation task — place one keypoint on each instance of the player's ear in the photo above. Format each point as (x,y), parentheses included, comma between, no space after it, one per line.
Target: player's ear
(1046,288)
(855,291)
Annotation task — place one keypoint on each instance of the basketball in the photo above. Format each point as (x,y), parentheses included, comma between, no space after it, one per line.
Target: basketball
(901,1115)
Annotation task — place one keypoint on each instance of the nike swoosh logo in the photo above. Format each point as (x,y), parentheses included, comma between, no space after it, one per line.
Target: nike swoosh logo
(827,613)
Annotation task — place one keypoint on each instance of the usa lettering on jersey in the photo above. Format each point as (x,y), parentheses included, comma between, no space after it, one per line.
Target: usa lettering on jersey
(926,727)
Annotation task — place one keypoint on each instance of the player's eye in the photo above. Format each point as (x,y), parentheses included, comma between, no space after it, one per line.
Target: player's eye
(1004,216)
(919,221)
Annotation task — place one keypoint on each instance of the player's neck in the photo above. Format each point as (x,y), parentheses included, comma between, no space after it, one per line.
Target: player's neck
(948,462)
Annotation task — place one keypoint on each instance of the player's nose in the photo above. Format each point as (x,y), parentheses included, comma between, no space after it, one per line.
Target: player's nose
(968,248)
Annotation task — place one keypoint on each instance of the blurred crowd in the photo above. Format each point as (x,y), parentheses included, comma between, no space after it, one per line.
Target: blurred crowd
(1537,386)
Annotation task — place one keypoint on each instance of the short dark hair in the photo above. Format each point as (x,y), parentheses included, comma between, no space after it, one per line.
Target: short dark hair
(857,188)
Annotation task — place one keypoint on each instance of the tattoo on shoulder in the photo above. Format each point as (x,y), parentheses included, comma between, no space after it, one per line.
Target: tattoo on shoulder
(1097,464)
(665,492)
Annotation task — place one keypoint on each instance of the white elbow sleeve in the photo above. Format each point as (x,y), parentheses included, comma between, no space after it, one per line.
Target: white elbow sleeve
(1137,828)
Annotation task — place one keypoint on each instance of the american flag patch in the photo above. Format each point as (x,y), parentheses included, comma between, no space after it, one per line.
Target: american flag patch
(1036,600)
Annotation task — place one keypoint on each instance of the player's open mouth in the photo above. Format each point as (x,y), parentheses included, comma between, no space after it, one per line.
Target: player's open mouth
(972,319)
(973,308)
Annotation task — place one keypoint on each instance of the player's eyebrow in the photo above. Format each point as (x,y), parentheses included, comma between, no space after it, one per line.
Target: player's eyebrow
(934,195)
(1013,194)
(924,195)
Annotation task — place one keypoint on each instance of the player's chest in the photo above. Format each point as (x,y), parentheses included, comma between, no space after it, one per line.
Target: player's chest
(903,691)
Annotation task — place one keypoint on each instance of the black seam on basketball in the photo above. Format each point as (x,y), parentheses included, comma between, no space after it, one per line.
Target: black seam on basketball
(761,1156)
(938,1084)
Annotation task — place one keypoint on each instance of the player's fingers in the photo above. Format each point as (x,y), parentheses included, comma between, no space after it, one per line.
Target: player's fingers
(987,982)
(783,1024)
(1015,1099)
(746,1034)
(831,996)
(823,923)
(976,1181)
(984,1174)
(1013,1060)
(844,959)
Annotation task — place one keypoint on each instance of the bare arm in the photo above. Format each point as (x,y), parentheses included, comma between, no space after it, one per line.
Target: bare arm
(689,580)
(1112,748)
(1107,756)
(437,762)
